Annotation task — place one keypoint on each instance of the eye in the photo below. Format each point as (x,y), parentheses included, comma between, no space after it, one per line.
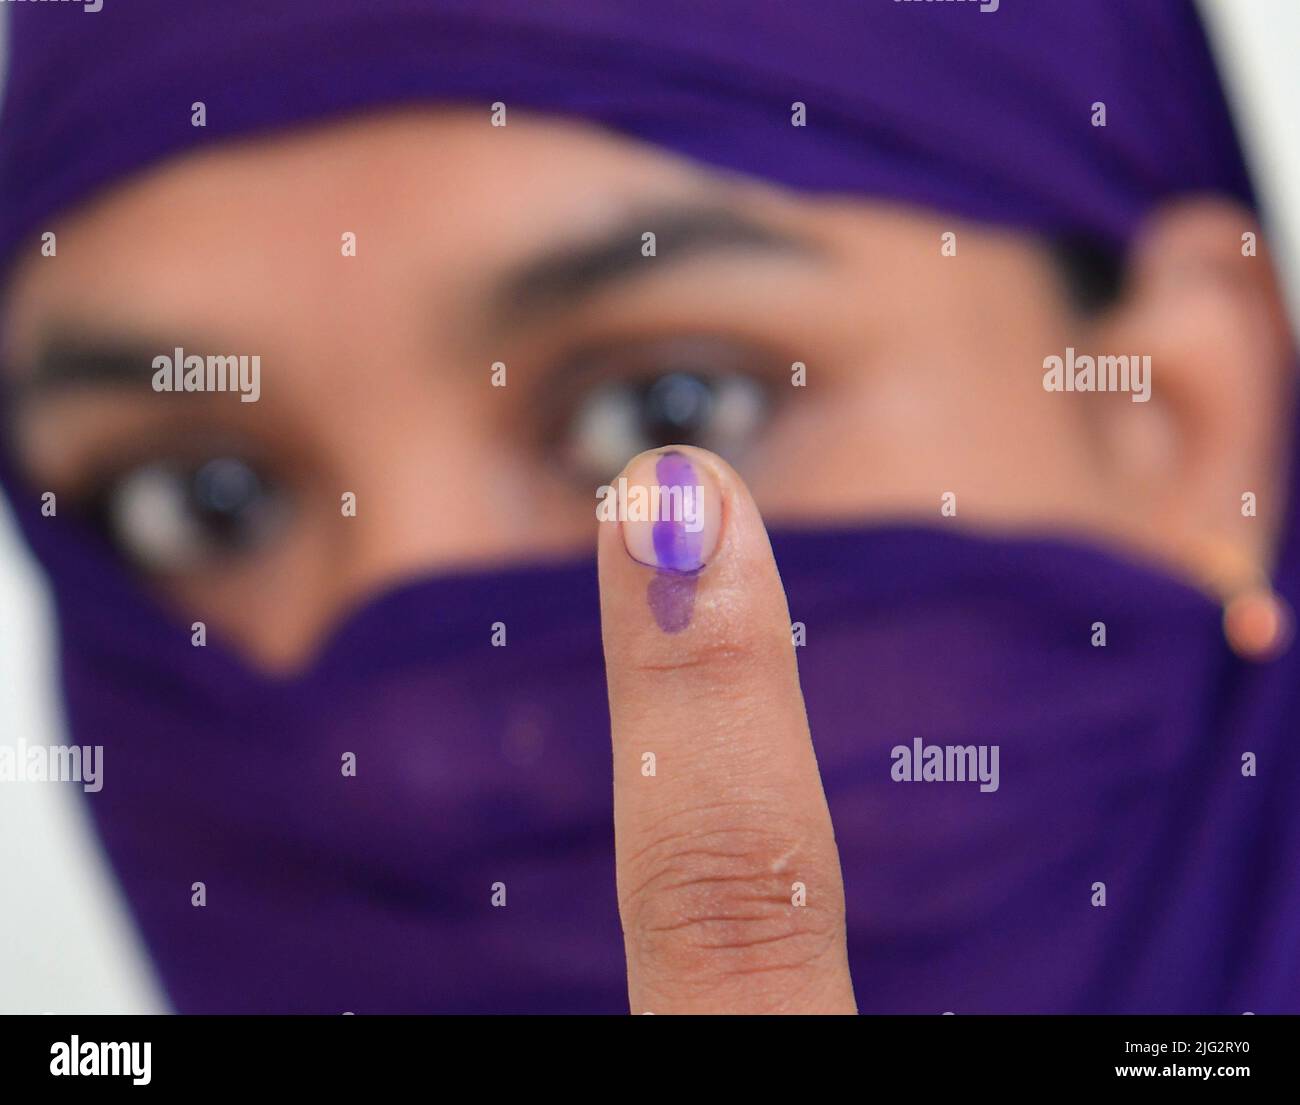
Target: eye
(168,516)
(711,393)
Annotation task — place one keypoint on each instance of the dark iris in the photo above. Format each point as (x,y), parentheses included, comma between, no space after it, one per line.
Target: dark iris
(227,496)
(676,407)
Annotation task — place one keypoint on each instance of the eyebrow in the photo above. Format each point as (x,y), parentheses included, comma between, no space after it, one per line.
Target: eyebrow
(87,361)
(566,275)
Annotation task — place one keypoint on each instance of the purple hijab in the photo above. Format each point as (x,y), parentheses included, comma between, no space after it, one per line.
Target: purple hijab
(479,765)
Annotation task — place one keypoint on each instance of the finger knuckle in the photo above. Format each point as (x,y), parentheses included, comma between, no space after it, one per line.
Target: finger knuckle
(722,902)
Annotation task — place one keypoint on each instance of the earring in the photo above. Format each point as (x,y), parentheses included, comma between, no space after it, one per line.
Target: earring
(1258,623)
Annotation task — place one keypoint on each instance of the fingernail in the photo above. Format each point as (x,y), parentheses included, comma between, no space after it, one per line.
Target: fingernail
(672,511)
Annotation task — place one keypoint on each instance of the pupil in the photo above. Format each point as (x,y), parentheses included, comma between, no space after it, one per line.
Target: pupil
(676,407)
(223,489)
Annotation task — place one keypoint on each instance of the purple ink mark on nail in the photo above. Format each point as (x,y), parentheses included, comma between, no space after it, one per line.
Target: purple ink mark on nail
(671,596)
(676,548)
(678,551)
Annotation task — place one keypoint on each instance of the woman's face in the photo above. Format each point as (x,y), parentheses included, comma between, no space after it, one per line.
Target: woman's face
(523,246)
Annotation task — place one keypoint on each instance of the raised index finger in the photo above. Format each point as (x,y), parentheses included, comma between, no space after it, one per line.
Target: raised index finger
(728,876)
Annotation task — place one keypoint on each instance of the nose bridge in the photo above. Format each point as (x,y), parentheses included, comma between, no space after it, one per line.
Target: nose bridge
(425,479)
(398,502)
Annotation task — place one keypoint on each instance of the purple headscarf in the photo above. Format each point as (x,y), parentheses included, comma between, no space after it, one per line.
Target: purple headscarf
(481,765)
(985,114)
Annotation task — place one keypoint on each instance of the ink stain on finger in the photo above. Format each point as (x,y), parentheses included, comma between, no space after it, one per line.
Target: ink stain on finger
(671,596)
(677,534)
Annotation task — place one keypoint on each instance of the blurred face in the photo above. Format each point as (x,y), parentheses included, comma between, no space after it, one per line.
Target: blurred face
(502,341)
